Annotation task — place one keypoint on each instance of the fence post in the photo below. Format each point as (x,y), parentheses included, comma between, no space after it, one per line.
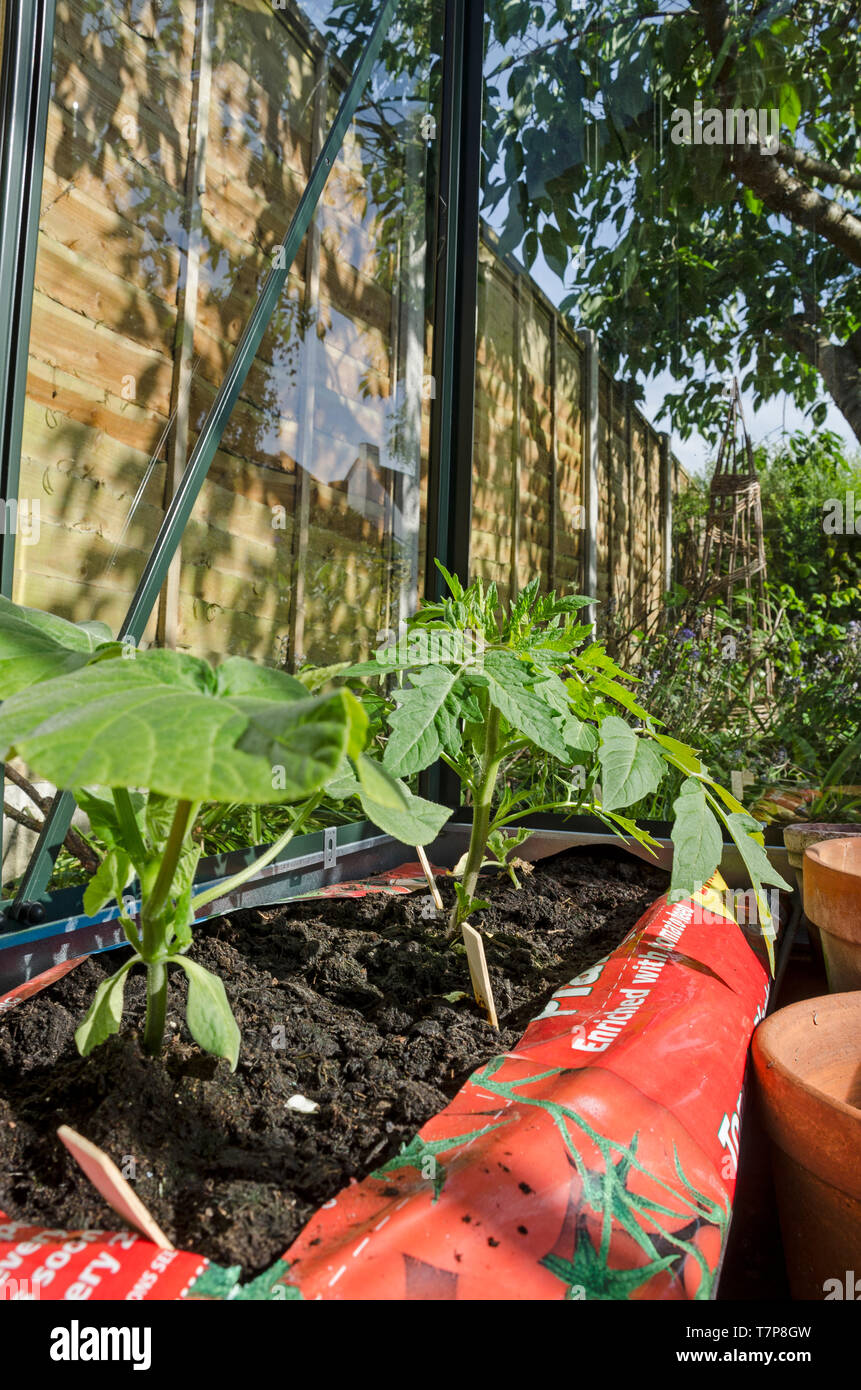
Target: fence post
(167,622)
(517,370)
(666,491)
(308,383)
(554,446)
(590,467)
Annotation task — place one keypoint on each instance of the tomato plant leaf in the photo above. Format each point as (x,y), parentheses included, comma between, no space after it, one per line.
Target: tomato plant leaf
(631,768)
(697,841)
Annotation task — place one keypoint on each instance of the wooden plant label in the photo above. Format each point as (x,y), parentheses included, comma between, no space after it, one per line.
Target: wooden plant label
(106,1177)
(428,873)
(481,986)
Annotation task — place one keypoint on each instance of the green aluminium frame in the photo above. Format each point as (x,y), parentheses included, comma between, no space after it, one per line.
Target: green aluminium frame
(26,79)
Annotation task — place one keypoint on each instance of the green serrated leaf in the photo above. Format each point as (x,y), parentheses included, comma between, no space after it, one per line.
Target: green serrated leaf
(414,739)
(511,689)
(697,841)
(630,767)
(685,757)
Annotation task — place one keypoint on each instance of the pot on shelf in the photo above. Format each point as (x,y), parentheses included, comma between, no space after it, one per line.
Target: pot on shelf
(798,838)
(808,1065)
(832,899)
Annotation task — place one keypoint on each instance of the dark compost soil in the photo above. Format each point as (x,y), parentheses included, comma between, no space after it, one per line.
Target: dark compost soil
(341,1001)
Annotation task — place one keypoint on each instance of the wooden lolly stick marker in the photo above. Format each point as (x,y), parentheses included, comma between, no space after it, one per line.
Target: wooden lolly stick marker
(106,1177)
(481,986)
(428,872)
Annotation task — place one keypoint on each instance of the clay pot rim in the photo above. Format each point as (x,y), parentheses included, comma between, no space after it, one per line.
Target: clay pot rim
(821,853)
(825,1003)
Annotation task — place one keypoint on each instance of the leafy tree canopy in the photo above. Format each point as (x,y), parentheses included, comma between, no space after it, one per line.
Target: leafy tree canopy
(698,257)
(695,253)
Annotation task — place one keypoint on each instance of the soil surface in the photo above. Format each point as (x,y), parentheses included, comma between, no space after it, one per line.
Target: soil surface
(356,1004)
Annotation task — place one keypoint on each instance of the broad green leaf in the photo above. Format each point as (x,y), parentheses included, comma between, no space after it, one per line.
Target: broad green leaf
(158,722)
(238,676)
(106,1011)
(414,739)
(158,817)
(208,1014)
(510,687)
(392,806)
(697,841)
(631,768)
(108,882)
(790,106)
(579,736)
(36,646)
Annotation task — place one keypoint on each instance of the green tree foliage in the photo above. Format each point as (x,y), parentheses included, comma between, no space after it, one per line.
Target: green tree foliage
(695,255)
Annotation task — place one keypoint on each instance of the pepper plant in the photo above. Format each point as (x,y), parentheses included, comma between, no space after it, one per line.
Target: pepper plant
(479,686)
(144,739)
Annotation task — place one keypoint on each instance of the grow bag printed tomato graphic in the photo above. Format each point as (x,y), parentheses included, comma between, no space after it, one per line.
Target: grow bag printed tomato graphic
(590,1162)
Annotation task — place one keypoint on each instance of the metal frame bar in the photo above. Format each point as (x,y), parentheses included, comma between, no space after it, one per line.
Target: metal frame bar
(24,93)
(176,518)
(310,862)
(325,859)
(27,45)
(449,508)
(456,292)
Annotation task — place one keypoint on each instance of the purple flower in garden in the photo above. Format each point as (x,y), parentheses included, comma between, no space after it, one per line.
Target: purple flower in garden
(686,635)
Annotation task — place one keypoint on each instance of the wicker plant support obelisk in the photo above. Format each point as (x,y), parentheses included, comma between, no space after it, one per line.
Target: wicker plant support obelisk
(734,551)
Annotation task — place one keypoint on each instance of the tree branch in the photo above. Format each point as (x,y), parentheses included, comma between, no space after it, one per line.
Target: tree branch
(760,171)
(814,168)
(21,818)
(837,363)
(74,841)
(788,196)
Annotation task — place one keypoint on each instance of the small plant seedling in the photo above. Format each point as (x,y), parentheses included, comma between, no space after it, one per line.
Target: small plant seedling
(143,743)
(482,687)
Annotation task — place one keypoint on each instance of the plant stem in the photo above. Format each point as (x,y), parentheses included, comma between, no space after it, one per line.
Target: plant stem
(219,890)
(154,903)
(156,1007)
(485,785)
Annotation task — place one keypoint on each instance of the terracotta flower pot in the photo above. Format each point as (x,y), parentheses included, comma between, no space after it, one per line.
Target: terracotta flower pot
(797,838)
(832,899)
(808,1065)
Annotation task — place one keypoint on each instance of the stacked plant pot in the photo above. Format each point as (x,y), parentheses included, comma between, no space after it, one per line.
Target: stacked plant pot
(808,1063)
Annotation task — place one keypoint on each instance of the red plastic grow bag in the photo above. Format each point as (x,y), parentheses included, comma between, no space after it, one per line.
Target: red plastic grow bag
(596,1160)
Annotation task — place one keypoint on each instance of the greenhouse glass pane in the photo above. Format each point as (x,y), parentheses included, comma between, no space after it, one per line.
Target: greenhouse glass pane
(180,137)
(303,544)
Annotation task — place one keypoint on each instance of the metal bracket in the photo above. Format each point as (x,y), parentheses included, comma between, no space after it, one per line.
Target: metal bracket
(330,846)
